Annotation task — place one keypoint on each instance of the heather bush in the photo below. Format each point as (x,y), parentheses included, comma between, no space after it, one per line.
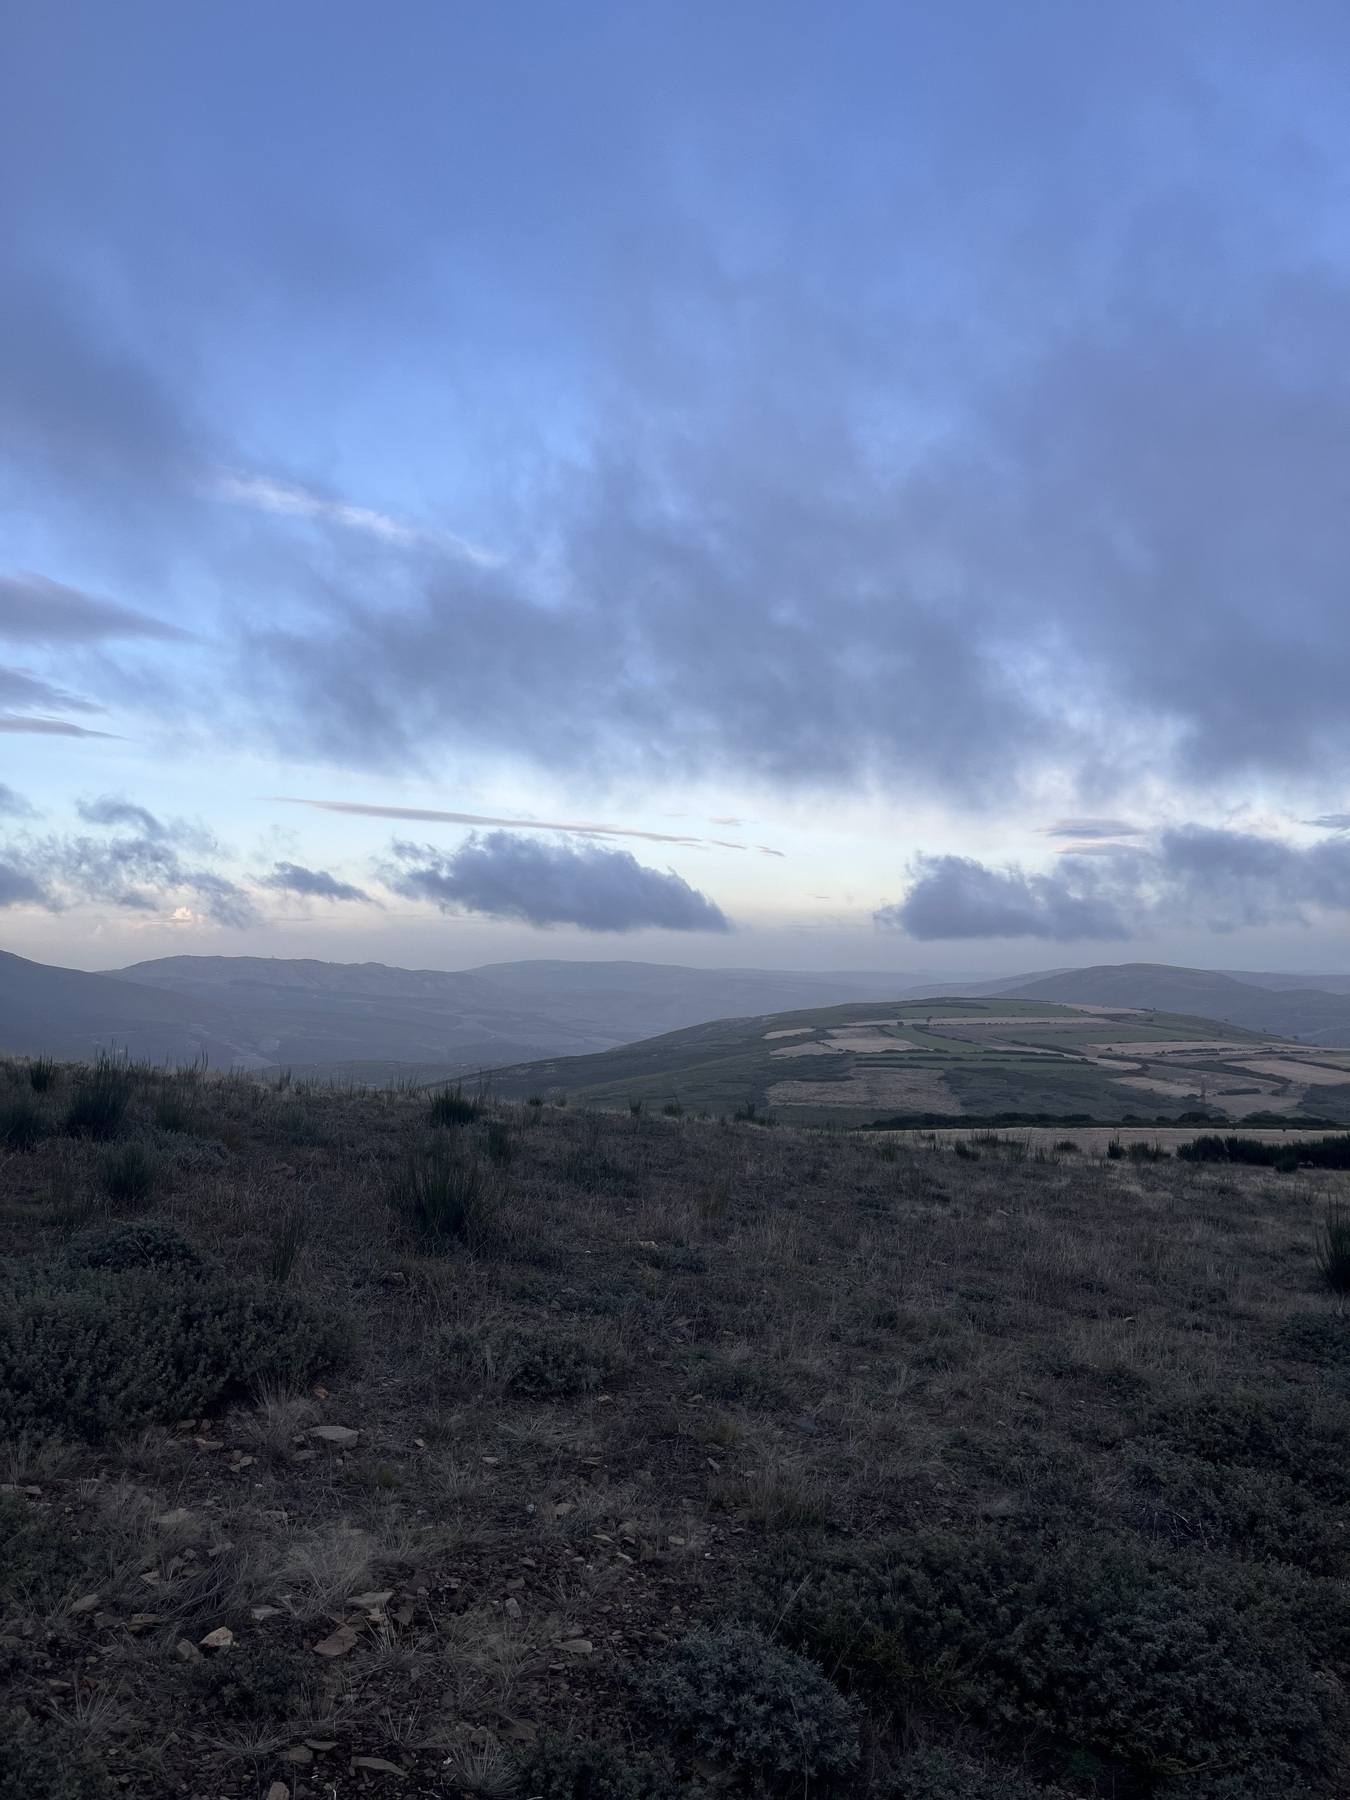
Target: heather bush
(742,1701)
(561,1769)
(38,1765)
(941,1775)
(1306,1439)
(1149,1660)
(134,1244)
(88,1351)
(40,1561)
(127,1174)
(537,1363)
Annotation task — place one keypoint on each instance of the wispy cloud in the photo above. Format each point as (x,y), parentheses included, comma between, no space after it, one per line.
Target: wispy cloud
(271,496)
(425,815)
(38,611)
(15,725)
(503,876)
(314,884)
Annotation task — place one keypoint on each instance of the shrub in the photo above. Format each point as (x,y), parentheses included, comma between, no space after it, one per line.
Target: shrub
(39,1561)
(501,1143)
(134,1244)
(1306,1440)
(1251,1512)
(449,1107)
(38,1766)
(1316,1337)
(127,1175)
(172,1112)
(252,1684)
(99,1103)
(559,1769)
(940,1775)
(537,1364)
(89,1351)
(1148,1659)
(41,1073)
(1333,1250)
(446,1197)
(20,1125)
(750,1384)
(740,1700)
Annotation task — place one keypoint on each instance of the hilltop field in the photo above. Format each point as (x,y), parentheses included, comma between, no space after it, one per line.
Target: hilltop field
(935,1061)
(390,1443)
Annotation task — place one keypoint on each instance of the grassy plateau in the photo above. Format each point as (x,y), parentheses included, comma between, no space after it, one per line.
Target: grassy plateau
(407,1443)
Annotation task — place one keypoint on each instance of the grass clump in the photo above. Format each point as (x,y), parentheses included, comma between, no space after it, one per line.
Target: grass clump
(451,1107)
(99,1103)
(21,1124)
(252,1683)
(92,1348)
(744,1702)
(1333,1250)
(41,1073)
(127,1174)
(446,1197)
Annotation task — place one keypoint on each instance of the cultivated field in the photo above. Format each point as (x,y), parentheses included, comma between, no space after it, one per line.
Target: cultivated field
(373,1443)
(934,1061)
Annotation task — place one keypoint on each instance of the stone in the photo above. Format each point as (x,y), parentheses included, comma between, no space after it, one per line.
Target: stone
(299,1754)
(578,1647)
(278,1791)
(337,1643)
(379,1765)
(221,1638)
(372,1600)
(179,1516)
(187,1652)
(341,1437)
(86,1604)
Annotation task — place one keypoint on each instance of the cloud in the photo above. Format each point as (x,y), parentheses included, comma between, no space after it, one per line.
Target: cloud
(16,725)
(956,897)
(1089,829)
(35,610)
(140,865)
(1332,822)
(509,877)
(18,688)
(1221,880)
(17,887)
(318,884)
(362,810)
(13,805)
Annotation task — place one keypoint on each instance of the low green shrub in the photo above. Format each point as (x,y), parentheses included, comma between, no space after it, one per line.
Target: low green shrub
(99,1103)
(1261,1514)
(127,1174)
(21,1124)
(86,1351)
(742,1701)
(941,1775)
(536,1363)
(561,1769)
(747,1384)
(40,1765)
(1084,1644)
(39,1560)
(1306,1439)
(1316,1337)
(134,1244)
(252,1684)
(447,1197)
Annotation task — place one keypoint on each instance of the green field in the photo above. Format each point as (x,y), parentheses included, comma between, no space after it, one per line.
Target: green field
(926,1061)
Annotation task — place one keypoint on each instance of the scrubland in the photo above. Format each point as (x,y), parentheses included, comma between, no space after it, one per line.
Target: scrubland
(394,1443)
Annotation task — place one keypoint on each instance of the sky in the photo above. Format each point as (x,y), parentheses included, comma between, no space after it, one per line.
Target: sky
(757,484)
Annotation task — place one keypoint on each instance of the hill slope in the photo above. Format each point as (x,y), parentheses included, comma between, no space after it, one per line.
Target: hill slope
(1313,1016)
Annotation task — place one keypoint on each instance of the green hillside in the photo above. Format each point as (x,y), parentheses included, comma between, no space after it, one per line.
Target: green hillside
(956,1058)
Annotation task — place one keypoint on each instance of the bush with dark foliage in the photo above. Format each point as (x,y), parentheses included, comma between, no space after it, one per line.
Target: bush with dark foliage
(561,1769)
(742,1701)
(1147,1659)
(37,1766)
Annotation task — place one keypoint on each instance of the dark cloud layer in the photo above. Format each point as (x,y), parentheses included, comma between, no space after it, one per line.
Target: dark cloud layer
(315,884)
(540,883)
(1221,880)
(825,474)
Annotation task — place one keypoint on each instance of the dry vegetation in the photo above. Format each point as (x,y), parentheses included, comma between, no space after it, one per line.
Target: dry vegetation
(1043,1461)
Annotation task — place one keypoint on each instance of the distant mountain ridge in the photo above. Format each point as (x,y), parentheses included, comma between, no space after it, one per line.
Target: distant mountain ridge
(371,1021)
